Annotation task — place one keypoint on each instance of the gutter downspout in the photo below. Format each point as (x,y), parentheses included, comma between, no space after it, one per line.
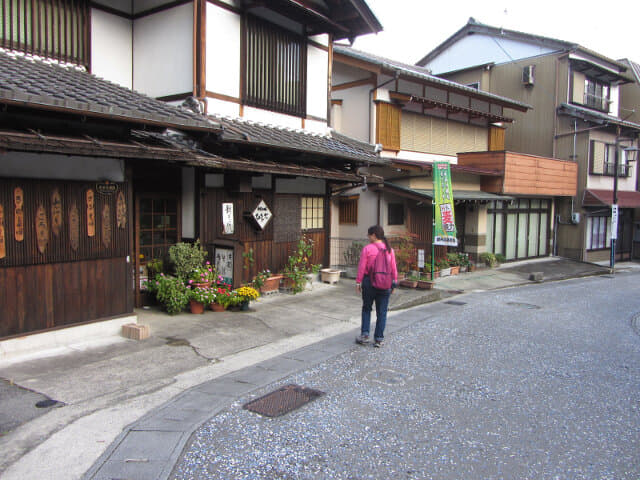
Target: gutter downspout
(395,77)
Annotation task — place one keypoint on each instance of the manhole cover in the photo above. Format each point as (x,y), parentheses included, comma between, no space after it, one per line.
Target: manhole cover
(282,401)
(530,306)
(46,403)
(456,302)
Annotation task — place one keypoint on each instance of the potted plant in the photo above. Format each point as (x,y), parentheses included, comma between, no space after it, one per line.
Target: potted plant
(329,275)
(221,299)
(454,263)
(244,295)
(202,276)
(266,282)
(424,281)
(186,257)
(171,292)
(406,253)
(489,259)
(410,282)
(443,267)
(198,298)
(297,267)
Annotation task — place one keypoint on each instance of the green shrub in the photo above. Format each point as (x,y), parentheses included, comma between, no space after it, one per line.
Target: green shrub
(172,293)
(186,258)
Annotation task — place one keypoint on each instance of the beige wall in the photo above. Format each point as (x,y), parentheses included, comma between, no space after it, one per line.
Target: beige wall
(420,133)
(630,100)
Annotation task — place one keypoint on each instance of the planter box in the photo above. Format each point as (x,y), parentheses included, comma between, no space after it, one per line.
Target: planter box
(329,275)
(425,284)
(463,268)
(455,270)
(271,284)
(409,283)
(445,272)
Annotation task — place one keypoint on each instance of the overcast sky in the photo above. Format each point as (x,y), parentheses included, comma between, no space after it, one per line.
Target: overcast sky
(412,28)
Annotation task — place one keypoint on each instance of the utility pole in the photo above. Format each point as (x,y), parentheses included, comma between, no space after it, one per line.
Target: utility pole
(614,205)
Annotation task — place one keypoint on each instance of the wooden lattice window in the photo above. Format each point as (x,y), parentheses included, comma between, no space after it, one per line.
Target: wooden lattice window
(348,214)
(275,70)
(54,29)
(388,125)
(158,225)
(312,213)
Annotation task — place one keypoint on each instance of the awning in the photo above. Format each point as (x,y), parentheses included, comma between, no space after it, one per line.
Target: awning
(458,195)
(599,198)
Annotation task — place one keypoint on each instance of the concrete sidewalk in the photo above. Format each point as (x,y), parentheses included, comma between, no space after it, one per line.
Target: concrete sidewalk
(106,386)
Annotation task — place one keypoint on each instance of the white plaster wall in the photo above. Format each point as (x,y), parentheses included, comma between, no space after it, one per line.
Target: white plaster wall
(272,118)
(62,167)
(222,107)
(419,156)
(163,52)
(322,39)
(478,49)
(355,112)
(602,182)
(111,48)
(316,126)
(223,51)
(317,81)
(614,96)
(188,202)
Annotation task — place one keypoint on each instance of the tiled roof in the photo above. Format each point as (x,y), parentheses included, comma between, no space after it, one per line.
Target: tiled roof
(582,112)
(634,67)
(425,74)
(39,83)
(238,130)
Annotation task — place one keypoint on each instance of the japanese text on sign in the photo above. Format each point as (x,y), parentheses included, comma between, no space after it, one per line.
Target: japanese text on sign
(227,219)
(262,214)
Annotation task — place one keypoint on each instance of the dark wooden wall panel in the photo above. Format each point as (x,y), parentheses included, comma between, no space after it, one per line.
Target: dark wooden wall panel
(41,297)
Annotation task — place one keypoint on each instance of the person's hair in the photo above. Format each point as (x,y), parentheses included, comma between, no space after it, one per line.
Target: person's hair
(378,231)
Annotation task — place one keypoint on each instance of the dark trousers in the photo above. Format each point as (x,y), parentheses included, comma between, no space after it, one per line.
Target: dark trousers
(381,298)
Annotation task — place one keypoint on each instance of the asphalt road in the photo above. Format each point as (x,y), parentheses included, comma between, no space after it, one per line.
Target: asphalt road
(536,382)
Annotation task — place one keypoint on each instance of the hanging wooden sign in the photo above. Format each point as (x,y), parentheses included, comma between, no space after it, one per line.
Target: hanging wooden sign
(42,228)
(91,214)
(3,246)
(56,212)
(121,211)
(18,217)
(106,188)
(74,227)
(106,225)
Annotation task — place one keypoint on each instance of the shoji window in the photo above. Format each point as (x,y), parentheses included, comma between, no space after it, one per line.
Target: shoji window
(275,70)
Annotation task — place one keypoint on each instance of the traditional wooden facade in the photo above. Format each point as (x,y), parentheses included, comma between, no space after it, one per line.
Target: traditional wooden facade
(97,179)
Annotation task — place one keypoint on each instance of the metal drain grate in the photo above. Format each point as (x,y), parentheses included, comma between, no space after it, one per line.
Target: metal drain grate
(455,302)
(282,401)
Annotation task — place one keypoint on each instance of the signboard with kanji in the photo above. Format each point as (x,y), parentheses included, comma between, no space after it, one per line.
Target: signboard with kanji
(227,219)
(262,214)
(445,223)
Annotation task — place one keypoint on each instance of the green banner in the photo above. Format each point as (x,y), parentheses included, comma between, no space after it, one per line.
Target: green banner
(445,222)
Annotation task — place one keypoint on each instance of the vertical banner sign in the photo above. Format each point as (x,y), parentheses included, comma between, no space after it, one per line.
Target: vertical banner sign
(18,217)
(121,211)
(614,222)
(74,227)
(106,225)
(420,258)
(224,263)
(91,214)
(227,219)
(56,212)
(3,245)
(445,223)
(42,228)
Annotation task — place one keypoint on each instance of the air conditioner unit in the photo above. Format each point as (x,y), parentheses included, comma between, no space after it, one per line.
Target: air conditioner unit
(528,75)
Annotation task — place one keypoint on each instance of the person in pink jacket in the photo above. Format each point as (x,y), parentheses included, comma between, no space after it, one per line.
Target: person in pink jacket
(371,294)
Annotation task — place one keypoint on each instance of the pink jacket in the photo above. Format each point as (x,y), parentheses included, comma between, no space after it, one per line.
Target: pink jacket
(368,258)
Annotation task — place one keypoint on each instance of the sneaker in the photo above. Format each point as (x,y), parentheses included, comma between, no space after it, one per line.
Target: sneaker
(362,339)
(378,343)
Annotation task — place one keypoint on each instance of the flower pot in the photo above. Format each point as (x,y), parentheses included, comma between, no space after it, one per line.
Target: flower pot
(244,306)
(217,307)
(409,283)
(436,274)
(196,307)
(455,270)
(445,272)
(329,275)
(200,285)
(471,268)
(463,268)
(271,284)
(425,284)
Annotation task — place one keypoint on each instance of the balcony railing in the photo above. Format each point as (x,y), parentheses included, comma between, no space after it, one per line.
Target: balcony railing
(597,102)
(623,169)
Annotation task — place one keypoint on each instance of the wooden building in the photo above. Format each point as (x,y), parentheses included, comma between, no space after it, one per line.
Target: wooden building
(97,179)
